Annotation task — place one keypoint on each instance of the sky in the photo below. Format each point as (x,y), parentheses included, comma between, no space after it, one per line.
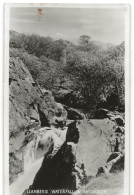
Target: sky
(104,25)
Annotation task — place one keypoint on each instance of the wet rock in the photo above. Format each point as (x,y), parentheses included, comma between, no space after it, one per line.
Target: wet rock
(112,156)
(114,164)
(64,96)
(57,173)
(73,114)
(43,119)
(101,113)
(100,171)
(119,130)
(118,166)
(119,120)
(72,133)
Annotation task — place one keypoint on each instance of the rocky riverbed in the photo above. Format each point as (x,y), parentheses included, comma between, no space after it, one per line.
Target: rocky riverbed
(71,157)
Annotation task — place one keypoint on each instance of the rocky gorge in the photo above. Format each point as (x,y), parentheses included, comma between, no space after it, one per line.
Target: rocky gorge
(54,146)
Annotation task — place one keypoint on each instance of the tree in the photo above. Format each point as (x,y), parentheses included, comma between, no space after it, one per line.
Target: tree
(84,40)
(35,44)
(55,50)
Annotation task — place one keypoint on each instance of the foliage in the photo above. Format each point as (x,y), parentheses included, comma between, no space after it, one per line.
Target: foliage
(92,70)
(55,50)
(84,40)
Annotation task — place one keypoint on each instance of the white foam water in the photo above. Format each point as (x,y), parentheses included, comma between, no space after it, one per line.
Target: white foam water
(26,179)
(33,156)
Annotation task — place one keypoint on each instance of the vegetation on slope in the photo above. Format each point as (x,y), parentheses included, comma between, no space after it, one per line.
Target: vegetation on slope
(93,71)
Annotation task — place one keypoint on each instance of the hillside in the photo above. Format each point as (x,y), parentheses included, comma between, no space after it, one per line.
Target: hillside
(90,70)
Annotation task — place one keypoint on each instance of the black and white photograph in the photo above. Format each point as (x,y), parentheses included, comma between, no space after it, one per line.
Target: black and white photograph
(68,100)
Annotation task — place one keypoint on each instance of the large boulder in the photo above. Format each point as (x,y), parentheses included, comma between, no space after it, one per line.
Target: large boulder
(69,97)
(101,113)
(64,96)
(73,114)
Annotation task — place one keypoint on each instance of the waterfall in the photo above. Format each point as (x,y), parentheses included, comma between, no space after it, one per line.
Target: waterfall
(45,140)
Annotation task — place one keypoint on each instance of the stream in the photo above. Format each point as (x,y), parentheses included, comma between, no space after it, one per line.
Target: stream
(65,158)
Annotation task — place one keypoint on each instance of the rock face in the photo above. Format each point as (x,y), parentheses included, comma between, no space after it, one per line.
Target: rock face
(30,108)
(28,104)
(97,142)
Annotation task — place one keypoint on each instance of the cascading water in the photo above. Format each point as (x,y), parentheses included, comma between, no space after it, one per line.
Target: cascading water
(46,140)
(65,158)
